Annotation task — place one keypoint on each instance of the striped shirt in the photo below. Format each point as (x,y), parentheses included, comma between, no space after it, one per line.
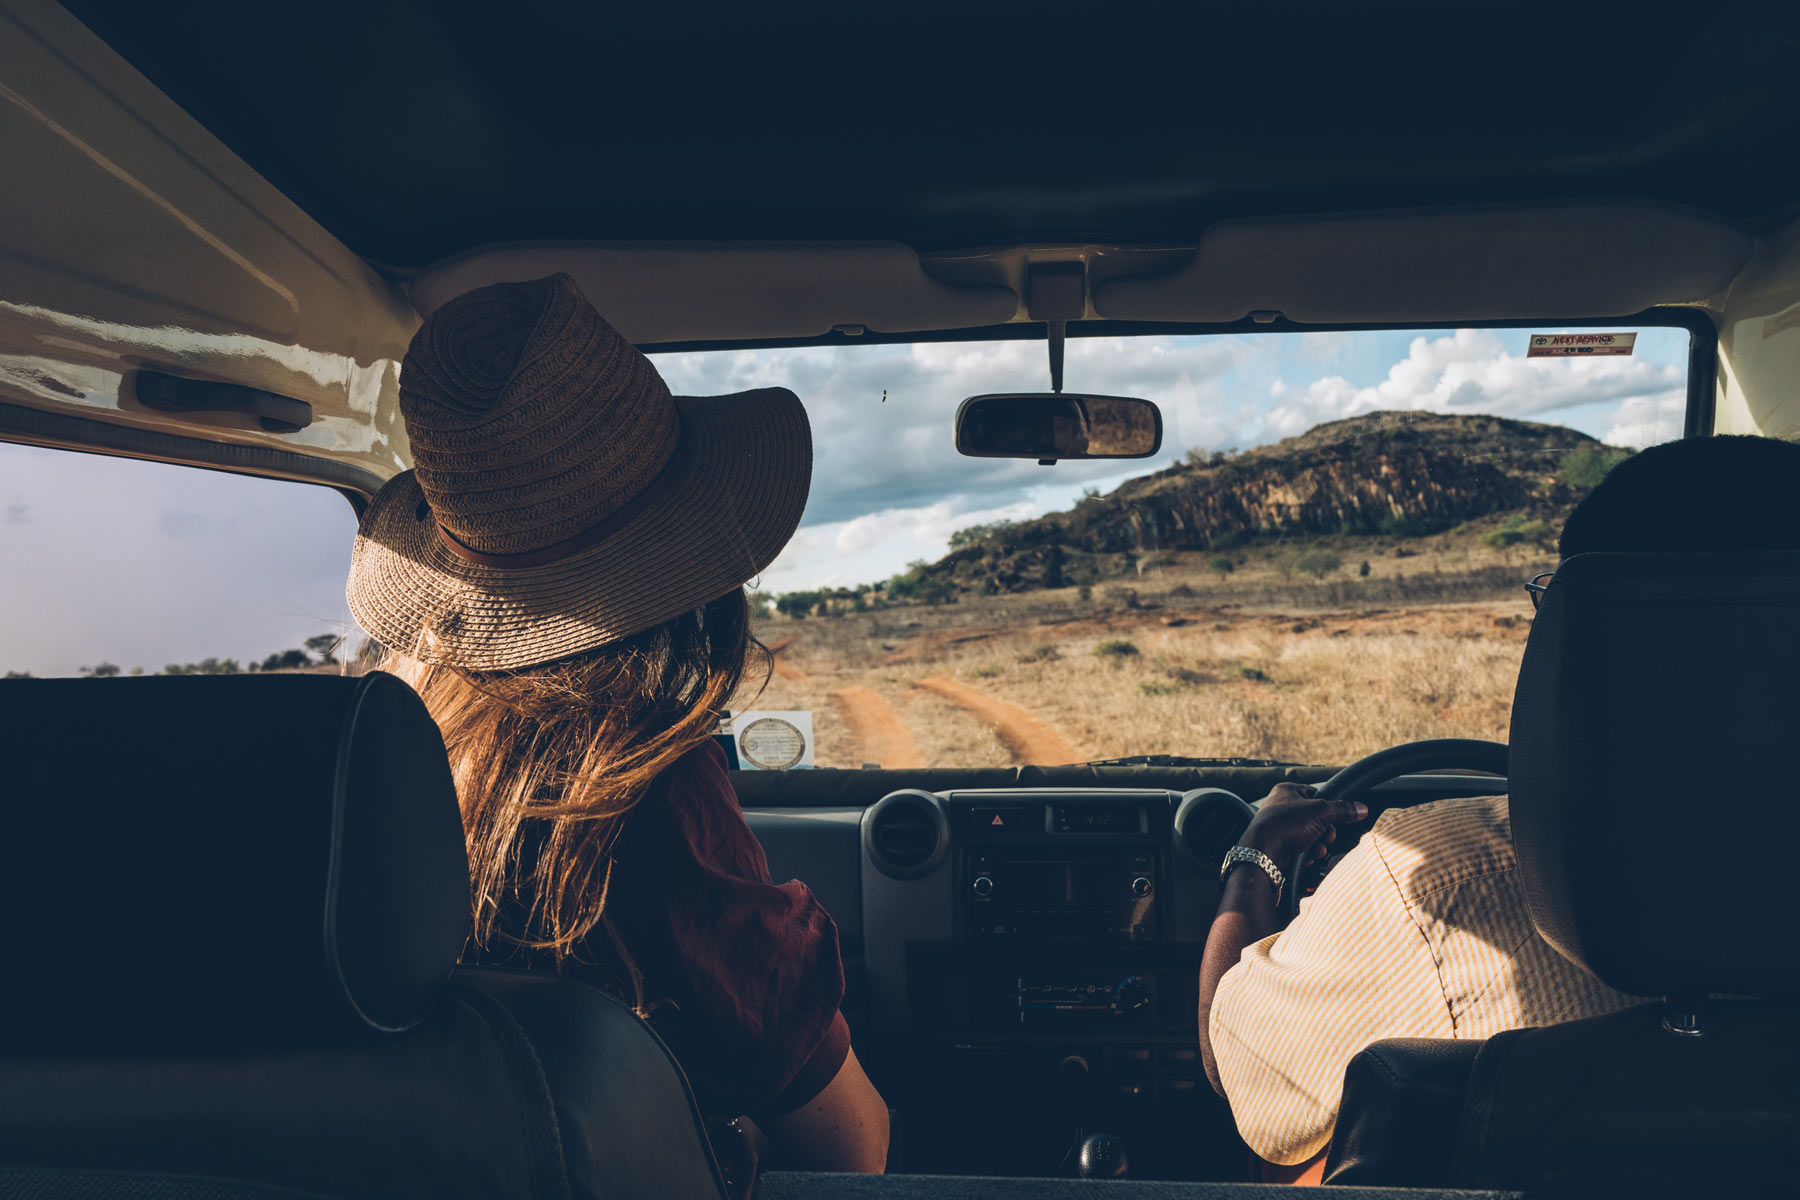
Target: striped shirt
(1420,931)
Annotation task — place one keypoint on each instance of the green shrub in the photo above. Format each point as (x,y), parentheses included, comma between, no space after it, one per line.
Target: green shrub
(985,671)
(1253,675)
(1516,530)
(1398,525)
(1228,539)
(1116,649)
(997,531)
(1222,563)
(1153,687)
(1585,466)
(1040,654)
(1317,563)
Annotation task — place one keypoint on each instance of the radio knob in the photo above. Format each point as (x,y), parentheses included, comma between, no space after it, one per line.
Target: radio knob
(1140,887)
(1130,994)
(983,886)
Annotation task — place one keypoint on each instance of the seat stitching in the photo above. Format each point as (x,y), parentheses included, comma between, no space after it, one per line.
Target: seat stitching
(527,1069)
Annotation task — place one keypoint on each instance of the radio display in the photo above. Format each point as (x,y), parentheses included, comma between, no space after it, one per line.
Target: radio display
(1097,818)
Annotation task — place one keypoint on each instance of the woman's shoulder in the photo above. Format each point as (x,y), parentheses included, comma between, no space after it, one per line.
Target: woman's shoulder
(693,800)
(698,785)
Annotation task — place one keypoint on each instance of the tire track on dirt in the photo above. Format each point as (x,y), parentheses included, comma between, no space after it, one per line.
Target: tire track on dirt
(1028,738)
(880,730)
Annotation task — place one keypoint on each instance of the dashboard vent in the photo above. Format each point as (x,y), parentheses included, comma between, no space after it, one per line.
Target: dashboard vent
(906,834)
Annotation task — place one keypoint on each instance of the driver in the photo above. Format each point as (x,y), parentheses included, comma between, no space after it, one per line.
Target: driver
(1421,931)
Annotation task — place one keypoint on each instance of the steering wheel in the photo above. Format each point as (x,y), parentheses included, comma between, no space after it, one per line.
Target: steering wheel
(1355,780)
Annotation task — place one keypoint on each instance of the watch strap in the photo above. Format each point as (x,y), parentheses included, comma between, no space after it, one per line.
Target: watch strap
(1245,854)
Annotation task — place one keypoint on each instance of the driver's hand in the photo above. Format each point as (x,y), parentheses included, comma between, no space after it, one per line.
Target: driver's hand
(1290,822)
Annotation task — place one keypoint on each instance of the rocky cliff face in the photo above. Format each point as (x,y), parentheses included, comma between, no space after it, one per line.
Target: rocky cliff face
(1398,473)
(1405,487)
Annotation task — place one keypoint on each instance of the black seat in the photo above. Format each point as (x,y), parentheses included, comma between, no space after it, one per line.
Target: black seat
(1653,805)
(235,905)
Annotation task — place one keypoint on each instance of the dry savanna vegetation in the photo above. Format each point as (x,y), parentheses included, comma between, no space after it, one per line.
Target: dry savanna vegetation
(1261,661)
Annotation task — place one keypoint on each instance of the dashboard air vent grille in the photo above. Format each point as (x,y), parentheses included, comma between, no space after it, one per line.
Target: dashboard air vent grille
(906,833)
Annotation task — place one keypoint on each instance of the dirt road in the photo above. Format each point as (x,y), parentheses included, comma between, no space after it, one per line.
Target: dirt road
(879,731)
(1026,736)
(782,668)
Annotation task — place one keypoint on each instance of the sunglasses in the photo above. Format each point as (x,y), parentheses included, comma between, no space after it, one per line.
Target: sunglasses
(1537,585)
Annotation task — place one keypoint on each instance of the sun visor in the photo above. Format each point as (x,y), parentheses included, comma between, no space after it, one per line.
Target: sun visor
(674,292)
(1571,260)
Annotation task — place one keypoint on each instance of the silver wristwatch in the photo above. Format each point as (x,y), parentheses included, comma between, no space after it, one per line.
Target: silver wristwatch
(1244,854)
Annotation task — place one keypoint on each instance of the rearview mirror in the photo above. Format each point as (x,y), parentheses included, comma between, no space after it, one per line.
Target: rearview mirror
(1052,425)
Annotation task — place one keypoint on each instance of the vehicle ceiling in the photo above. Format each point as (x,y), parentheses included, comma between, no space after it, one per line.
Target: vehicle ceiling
(416,130)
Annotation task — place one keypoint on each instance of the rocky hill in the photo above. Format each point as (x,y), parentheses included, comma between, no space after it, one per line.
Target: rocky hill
(1395,473)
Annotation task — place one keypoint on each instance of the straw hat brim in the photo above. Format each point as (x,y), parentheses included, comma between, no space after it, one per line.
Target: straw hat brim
(734,498)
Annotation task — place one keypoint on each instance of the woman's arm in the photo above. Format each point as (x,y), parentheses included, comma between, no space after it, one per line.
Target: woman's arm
(843,1128)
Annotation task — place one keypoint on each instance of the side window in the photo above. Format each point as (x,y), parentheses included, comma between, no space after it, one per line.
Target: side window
(117,566)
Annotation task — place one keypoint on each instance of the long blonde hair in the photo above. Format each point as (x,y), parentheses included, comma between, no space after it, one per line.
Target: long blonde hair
(550,761)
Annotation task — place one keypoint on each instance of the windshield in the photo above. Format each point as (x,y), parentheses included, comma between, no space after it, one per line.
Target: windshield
(1325,558)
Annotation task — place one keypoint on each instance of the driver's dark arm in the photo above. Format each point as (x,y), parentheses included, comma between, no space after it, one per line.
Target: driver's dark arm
(1288,823)
(1246,916)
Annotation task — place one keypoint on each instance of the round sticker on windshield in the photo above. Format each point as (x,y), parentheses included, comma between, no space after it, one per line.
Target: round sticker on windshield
(772,743)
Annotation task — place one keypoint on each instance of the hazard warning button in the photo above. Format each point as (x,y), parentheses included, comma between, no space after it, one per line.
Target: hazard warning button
(997,820)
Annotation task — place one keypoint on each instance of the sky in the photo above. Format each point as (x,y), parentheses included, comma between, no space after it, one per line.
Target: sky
(144,564)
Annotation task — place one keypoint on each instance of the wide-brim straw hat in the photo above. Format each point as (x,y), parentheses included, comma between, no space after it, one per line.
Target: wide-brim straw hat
(560,497)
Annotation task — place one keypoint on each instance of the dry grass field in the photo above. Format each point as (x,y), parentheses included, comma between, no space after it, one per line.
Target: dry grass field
(1257,664)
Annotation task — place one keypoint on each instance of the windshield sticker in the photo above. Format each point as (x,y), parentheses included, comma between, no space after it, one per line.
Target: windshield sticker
(774,741)
(1574,345)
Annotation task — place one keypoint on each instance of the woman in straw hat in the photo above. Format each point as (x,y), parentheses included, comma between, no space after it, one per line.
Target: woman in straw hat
(561,577)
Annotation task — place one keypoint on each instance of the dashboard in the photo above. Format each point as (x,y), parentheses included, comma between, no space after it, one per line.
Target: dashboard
(1023,961)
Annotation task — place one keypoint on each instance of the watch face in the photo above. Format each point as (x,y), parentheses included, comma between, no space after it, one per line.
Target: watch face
(771,743)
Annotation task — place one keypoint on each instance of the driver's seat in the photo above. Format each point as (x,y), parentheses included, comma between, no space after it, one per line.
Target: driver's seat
(1653,802)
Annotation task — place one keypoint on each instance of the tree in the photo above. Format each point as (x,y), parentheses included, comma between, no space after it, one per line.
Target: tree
(1585,466)
(325,646)
(1317,563)
(103,670)
(962,539)
(1222,564)
(18,675)
(797,605)
(1515,530)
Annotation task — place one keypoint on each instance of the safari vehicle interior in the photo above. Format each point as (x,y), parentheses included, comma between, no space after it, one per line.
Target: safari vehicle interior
(220,227)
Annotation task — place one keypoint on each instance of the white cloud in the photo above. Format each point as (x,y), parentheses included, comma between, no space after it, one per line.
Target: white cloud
(875,545)
(1646,420)
(1471,371)
(873,455)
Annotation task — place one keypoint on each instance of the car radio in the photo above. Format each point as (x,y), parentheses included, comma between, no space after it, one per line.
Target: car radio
(1074,873)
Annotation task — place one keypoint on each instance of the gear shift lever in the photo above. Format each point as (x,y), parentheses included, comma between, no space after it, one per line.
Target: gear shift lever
(1103,1157)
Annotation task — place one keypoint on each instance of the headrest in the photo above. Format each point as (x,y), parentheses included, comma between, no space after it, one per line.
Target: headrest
(221,861)
(1654,795)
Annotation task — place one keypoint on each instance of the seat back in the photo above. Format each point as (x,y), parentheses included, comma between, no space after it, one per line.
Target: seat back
(234,927)
(1651,789)
(1652,764)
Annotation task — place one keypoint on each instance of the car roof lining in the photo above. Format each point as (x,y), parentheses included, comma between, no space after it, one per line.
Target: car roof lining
(1565,261)
(942,125)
